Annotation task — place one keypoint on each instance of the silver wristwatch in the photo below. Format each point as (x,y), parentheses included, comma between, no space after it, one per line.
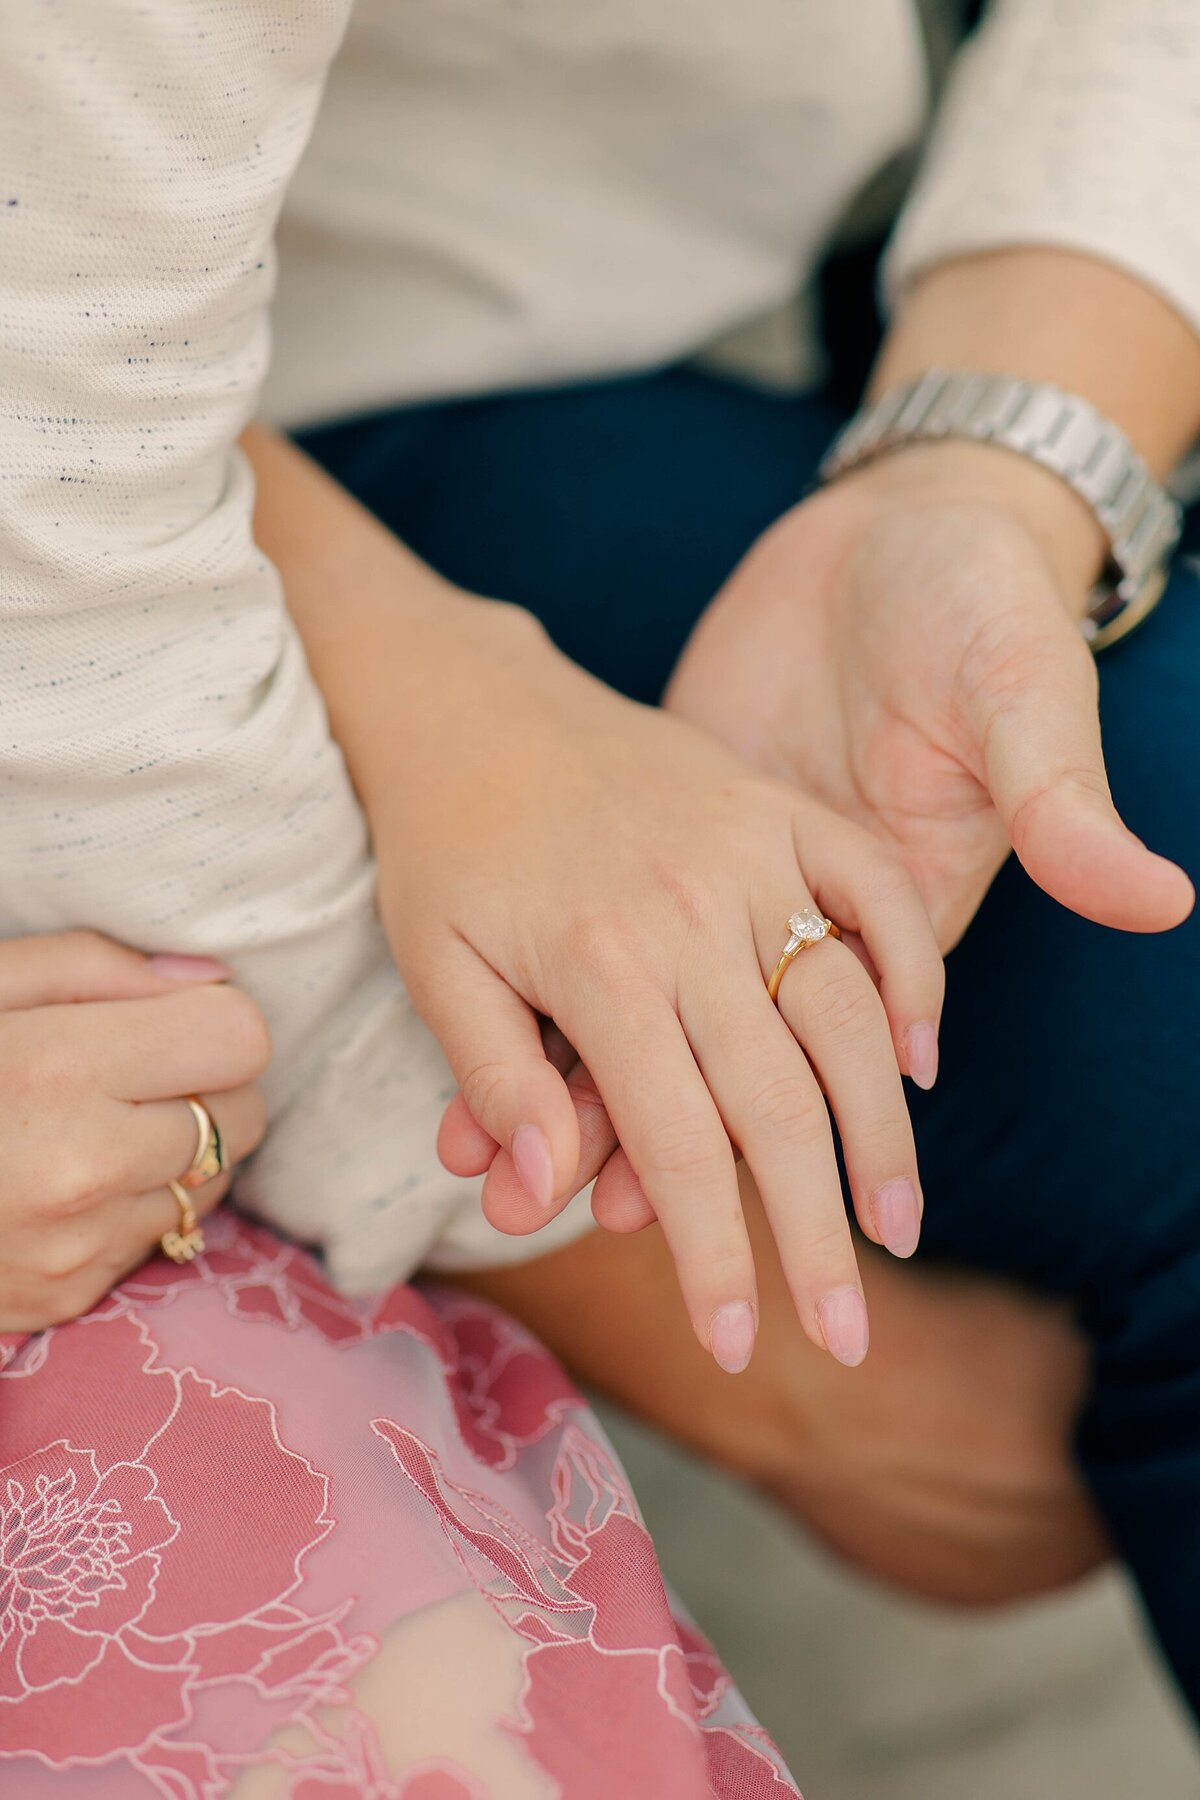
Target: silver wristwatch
(1064,434)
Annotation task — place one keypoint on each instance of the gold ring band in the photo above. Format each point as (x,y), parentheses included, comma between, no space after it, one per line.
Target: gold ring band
(182,1245)
(805,928)
(209,1159)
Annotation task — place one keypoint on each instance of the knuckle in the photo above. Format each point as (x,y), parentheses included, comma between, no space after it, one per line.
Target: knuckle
(884,1141)
(605,947)
(729,1267)
(689,897)
(844,1006)
(788,1105)
(243,1028)
(829,1248)
(681,1148)
(484,1088)
(64,1257)
(889,883)
(74,1184)
(1035,808)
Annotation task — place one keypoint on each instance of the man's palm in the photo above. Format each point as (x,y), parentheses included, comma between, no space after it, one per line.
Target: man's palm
(919,672)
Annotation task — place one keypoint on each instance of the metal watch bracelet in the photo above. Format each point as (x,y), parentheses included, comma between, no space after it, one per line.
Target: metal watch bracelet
(1063,433)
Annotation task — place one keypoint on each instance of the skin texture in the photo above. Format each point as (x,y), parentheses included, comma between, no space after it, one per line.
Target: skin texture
(1005,554)
(97,1044)
(528,867)
(941,694)
(944,699)
(979,1502)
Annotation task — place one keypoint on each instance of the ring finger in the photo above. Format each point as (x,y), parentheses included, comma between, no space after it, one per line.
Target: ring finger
(155,1214)
(129,1230)
(158,1138)
(834,1010)
(773,1108)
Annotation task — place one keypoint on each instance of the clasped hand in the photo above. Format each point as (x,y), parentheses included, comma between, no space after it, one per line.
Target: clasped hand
(904,649)
(560,853)
(98,1047)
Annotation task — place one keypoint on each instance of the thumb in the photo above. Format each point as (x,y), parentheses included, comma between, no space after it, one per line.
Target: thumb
(1034,713)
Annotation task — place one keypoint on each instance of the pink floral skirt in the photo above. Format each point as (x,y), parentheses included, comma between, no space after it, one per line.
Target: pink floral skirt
(256,1539)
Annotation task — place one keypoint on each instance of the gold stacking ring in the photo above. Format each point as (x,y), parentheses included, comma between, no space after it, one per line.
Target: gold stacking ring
(182,1245)
(209,1159)
(805,928)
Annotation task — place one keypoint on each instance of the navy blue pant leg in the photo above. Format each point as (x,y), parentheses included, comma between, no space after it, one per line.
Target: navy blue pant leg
(1060,1144)
(612,511)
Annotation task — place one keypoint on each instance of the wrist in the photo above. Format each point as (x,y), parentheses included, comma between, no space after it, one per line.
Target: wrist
(429,698)
(958,471)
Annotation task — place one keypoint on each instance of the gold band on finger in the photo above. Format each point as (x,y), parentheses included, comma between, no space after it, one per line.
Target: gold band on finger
(805,928)
(209,1159)
(182,1245)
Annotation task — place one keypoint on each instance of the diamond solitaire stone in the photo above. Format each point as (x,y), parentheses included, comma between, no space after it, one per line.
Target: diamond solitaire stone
(807,927)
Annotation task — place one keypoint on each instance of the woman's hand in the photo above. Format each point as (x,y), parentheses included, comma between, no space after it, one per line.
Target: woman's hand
(97,1047)
(905,645)
(549,849)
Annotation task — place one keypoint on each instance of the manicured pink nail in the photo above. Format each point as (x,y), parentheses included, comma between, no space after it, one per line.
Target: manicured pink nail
(731,1336)
(843,1317)
(189,968)
(534,1164)
(921,1050)
(897,1215)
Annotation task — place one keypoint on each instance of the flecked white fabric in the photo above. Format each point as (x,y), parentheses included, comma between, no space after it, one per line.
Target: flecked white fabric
(498,194)
(1073,123)
(502,194)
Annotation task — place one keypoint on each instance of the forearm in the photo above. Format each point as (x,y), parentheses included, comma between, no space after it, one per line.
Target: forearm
(1024,312)
(1052,315)
(393,647)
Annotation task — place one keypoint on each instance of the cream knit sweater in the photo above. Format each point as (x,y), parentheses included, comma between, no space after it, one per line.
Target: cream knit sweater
(497,193)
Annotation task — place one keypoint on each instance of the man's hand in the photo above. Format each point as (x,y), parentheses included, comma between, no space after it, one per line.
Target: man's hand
(905,644)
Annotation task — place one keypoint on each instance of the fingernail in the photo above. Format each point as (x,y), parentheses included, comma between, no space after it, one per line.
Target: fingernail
(897,1215)
(731,1336)
(921,1051)
(189,968)
(843,1317)
(534,1164)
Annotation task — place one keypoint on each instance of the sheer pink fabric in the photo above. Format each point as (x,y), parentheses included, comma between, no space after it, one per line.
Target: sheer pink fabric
(258,1540)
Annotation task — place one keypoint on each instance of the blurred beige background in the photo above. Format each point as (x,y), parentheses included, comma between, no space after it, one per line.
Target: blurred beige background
(874,1698)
